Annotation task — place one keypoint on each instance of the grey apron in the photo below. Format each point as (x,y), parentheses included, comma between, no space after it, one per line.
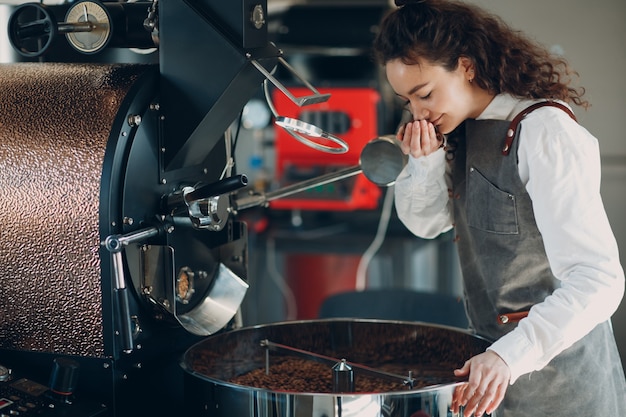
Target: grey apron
(505,272)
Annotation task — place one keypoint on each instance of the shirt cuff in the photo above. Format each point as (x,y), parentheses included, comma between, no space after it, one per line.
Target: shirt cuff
(427,167)
(517,352)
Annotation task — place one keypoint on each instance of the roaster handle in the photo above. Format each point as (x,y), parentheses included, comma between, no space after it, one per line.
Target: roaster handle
(121,305)
(189,195)
(217,188)
(116,244)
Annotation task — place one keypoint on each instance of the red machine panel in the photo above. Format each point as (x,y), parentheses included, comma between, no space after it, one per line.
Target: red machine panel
(352,115)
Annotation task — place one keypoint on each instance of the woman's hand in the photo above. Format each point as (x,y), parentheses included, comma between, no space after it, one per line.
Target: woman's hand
(488,380)
(419,138)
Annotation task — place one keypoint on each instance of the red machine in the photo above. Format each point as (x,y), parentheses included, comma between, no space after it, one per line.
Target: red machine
(352,115)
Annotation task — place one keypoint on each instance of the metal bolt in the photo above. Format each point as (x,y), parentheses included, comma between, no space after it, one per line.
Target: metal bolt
(134,120)
(258,17)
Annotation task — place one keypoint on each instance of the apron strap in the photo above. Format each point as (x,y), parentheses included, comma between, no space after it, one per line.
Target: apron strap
(510,134)
(511,317)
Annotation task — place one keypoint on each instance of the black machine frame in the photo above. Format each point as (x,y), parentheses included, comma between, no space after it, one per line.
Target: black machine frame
(168,134)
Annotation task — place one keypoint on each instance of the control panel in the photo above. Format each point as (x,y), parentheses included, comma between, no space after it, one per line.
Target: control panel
(23,397)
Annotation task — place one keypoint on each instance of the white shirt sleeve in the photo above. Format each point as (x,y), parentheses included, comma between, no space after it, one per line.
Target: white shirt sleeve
(560,163)
(421,196)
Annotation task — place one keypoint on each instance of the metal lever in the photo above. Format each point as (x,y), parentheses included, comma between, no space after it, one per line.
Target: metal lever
(116,244)
(314,98)
(365,370)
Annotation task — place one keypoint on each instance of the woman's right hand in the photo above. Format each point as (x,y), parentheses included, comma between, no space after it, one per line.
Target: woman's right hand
(419,138)
(488,379)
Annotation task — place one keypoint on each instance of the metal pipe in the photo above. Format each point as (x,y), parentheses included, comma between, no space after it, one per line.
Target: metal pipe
(261,199)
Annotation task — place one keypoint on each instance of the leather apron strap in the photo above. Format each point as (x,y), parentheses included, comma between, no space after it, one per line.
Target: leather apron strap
(510,136)
(511,132)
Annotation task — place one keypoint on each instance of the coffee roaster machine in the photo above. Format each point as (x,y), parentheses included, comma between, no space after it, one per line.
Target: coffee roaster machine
(122,246)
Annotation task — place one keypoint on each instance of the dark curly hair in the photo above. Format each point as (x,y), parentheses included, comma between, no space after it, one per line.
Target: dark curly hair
(506,61)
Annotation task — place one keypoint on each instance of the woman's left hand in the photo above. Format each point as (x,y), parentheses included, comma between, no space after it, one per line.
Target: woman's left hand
(489,378)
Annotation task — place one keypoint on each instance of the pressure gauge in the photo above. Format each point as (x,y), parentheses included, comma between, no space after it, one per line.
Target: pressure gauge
(96,17)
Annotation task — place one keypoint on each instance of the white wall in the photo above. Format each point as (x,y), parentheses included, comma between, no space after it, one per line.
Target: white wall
(591,35)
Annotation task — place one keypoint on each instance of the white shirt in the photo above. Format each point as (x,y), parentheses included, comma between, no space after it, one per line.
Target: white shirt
(559,164)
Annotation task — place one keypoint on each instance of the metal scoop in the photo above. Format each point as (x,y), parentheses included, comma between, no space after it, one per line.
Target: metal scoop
(381,162)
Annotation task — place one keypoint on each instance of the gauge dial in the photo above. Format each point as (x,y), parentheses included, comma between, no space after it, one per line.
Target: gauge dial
(99,33)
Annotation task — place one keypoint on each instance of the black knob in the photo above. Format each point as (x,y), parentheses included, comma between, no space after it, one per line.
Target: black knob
(64,376)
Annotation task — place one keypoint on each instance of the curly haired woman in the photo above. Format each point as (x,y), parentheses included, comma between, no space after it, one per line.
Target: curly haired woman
(496,153)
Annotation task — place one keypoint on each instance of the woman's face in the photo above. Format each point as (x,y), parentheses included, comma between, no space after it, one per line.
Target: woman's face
(444,98)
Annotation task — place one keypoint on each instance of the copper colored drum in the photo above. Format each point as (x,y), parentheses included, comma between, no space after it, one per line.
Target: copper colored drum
(233,374)
(56,121)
